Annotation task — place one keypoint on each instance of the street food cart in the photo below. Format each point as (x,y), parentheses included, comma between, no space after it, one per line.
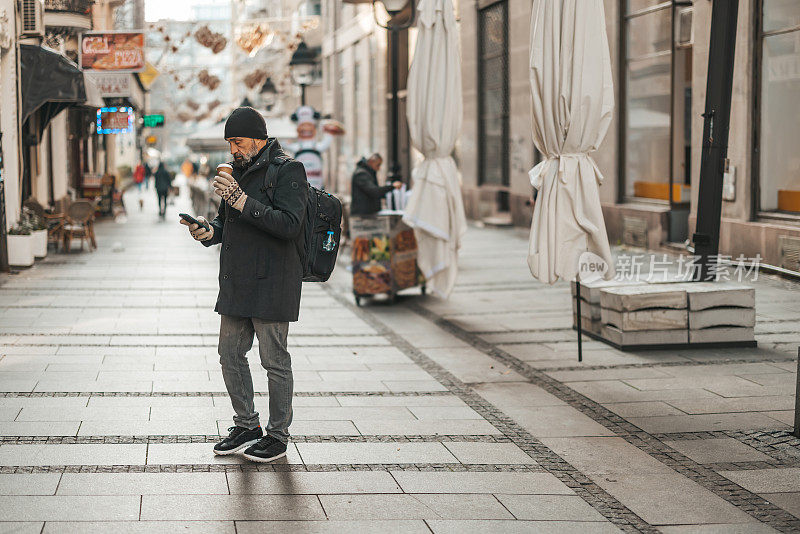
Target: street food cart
(384,256)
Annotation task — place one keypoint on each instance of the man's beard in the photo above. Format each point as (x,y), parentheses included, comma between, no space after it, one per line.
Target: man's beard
(243,159)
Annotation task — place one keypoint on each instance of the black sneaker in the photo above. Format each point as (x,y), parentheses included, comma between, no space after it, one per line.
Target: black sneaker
(238,439)
(266,450)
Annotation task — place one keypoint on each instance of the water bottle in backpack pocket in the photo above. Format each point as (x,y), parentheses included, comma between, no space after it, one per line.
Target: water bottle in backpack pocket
(322,234)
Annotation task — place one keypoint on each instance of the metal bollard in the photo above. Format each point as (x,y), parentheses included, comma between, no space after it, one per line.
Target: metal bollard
(797,399)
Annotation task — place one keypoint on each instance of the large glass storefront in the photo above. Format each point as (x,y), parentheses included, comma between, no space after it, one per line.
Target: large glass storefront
(493,100)
(657,45)
(779,108)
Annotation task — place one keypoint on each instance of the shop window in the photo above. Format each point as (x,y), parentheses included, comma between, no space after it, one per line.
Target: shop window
(493,97)
(657,75)
(779,107)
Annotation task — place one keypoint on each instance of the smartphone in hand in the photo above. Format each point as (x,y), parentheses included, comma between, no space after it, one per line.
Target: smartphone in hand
(188,218)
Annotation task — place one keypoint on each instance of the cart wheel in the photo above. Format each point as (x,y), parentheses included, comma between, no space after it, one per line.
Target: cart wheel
(358,301)
(423,290)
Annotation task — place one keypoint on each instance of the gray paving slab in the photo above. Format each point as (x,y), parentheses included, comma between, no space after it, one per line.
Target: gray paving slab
(50,428)
(729,528)
(54,413)
(202,453)
(231,507)
(516,394)
(366,453)
(29,483)
(488,453)
(311,483)
(94,454)
(671,499)
(140,527)
(439,526)
(21,527)
(789,501)
(466,482)
(470,365)
(69,508)
(446,427)
(418,506)
(704,423)
(707,451)
(734,404)
(180,427)
(767,480)
(642,409)
(446,412)
(142,484)
(556,421)
(580,375)
(606,455)
(550,508)
(334,527)
(428,400)
(619,391)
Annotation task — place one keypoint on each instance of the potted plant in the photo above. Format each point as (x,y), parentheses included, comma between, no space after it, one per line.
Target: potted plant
(38,235)
(20,250)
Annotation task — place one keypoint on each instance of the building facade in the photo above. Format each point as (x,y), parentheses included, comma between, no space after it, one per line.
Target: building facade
(650,158)
(50,144)
(356,87)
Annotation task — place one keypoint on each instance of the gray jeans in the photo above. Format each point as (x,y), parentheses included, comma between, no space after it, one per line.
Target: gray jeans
(235,339)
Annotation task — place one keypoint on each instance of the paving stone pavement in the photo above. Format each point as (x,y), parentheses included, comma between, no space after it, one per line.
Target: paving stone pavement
(470,414)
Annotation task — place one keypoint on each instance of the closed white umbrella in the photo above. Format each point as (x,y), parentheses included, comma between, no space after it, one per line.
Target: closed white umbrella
(435,209)
(573,101)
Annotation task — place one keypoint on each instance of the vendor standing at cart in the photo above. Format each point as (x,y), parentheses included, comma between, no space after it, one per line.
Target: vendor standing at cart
(365,191)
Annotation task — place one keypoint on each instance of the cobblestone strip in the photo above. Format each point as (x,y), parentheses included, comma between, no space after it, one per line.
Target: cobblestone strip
(749,466)
(281,467)
(214,438)
(743,499)
(687,363)
(583,486)
(38,394)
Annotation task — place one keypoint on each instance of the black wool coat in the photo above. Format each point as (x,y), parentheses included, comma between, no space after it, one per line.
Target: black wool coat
(260,269)
(365,192)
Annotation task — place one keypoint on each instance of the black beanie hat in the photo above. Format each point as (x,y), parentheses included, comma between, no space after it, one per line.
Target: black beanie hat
(245,122)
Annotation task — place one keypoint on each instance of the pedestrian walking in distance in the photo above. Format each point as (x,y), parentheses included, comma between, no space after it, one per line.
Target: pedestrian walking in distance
(163,182)
(259,225)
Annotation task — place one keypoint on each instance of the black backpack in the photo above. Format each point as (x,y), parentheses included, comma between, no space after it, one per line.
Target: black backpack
(322,229)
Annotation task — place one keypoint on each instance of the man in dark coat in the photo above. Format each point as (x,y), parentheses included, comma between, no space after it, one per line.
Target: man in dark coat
(259,225)
(163,183)
(366,194)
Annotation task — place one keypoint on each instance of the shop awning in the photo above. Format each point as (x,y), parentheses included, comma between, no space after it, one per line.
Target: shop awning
(50,83)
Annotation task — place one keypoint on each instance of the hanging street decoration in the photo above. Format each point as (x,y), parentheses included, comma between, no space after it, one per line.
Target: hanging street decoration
(208,80)
(211,39)
(254,37)
(255,78)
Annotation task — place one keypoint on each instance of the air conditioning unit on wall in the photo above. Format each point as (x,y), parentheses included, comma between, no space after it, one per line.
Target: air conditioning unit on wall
(31,14)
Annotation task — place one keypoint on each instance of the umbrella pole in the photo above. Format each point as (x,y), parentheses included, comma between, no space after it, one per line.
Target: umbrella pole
(578,320)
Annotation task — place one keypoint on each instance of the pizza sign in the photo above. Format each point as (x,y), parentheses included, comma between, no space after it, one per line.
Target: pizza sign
(112,51)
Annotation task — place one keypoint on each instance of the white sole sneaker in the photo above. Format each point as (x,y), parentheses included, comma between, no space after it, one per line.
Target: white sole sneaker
(263,460)
(241,447)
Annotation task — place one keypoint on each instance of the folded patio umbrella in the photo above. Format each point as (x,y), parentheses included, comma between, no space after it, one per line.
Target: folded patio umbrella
(435,209)
(573,101)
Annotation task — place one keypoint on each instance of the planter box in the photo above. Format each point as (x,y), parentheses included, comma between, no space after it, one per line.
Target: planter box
(39,240)
(20,250)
